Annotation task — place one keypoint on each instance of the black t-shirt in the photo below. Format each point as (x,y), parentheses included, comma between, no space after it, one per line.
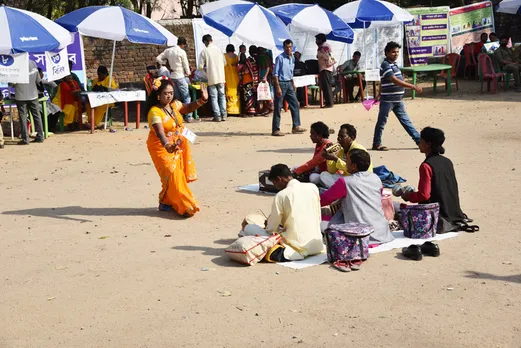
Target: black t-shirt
(300,69)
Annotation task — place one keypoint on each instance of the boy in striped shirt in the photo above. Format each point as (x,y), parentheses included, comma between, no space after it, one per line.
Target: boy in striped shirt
(392,88)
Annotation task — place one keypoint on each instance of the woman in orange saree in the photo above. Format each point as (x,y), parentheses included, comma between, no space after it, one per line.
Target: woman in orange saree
(170,149)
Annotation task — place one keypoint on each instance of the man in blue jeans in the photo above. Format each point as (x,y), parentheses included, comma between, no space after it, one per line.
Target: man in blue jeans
(285,89)
(392,88)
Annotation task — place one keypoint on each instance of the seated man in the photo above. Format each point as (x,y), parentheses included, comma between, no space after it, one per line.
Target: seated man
(336,164)
(352,79)
(319,135)
(295,215)
(361,195)
(509,63)
(101,84)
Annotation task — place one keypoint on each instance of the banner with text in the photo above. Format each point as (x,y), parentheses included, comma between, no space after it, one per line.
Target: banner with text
(14,68)
(427,34)
(57,65)
(467,23)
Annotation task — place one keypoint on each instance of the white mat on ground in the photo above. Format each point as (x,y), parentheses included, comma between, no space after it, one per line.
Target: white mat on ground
(401,242)
(253,188)
(307,262)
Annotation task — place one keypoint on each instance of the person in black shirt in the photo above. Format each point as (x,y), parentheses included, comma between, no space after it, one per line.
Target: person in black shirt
(300,70)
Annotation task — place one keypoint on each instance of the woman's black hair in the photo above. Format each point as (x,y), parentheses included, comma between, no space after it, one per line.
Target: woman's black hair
(230,48)
(103,70)
(153,98)
(435,137)
(321,129)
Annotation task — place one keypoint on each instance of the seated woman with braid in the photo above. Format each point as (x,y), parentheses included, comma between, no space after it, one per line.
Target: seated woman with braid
(319,134)
(438,182)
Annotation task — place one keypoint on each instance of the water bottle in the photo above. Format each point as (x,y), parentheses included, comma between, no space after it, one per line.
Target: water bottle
(89,85)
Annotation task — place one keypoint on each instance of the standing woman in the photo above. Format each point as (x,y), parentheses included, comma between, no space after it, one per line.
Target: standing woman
(249,83)
(231,73)
(169,149)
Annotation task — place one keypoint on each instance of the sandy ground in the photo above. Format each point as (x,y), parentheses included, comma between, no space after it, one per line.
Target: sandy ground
(85,261)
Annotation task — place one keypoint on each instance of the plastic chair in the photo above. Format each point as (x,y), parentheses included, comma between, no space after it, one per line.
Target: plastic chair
(487,73)
(453,60)
(470,61)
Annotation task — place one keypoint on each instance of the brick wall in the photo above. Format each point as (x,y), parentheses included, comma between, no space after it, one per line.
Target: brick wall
(131,59)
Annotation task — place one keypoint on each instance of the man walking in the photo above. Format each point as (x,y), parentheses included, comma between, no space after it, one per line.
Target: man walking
(285,90)
(392,88)
(213,60)
(325,68)
(26,97)
(178,62)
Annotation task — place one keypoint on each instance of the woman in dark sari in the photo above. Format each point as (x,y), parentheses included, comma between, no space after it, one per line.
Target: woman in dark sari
(249,83)
(265,64)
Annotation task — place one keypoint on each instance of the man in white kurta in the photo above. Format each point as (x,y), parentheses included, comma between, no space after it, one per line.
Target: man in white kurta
(295,214)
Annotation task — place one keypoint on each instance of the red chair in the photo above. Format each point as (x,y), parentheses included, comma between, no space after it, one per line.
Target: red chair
(487,73)
(470,61)
(453,60)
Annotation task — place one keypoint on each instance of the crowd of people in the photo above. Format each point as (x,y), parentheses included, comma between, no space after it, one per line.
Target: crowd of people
(344,176)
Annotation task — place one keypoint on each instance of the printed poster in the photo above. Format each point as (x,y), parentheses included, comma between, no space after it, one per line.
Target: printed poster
(14,68)
(57,65)
(467,23)
(427,34)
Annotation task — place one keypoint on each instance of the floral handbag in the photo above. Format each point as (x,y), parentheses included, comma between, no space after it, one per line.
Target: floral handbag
(348,242)
(419,221)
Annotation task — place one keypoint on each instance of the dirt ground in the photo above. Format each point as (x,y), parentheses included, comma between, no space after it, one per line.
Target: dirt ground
(86,262)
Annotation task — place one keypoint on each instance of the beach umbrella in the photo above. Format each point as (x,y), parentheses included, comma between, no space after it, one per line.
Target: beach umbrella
(370,11)
(509,6)
(315,19)
(248,21)
(24,31)
(116,23)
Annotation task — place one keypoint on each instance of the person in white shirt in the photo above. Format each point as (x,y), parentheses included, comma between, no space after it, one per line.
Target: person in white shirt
(180,70)
(295,215)
(26,97)
(212,59)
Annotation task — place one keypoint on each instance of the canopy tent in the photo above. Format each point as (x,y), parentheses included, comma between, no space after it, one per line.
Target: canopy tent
(249,22)
(509,6)
(315,20)
(116,23)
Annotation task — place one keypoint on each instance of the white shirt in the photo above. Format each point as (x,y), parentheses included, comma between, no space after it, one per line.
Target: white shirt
(177,60)
(213,60)
(28,91)
(297,209)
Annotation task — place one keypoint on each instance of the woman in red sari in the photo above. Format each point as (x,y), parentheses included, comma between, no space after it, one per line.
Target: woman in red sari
(249,82)
(67,99)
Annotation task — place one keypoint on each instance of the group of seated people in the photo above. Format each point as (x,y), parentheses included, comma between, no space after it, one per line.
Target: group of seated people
(66,98)
(296,212)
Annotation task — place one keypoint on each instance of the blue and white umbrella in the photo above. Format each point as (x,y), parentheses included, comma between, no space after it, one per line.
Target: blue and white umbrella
(509,6)
(248,21)
(24,31)
(372,11)
(116,23)
(315,19)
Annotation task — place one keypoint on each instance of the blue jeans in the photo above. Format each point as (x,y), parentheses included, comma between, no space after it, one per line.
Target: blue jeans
(399,110)
(289,95)
(182,93)
(218,100)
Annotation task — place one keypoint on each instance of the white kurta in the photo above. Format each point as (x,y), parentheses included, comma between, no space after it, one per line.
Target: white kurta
(297,210)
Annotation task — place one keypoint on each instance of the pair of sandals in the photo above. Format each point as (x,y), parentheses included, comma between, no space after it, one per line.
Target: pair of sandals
(347,266)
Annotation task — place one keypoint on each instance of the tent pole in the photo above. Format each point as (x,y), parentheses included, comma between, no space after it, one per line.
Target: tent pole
(110,81)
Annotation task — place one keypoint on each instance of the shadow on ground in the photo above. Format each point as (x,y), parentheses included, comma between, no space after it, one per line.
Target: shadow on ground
(69,213)
(490,276)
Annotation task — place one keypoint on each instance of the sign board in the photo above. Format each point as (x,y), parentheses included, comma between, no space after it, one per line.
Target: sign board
(427,34)
(467,23)
(372,75)
(14,68)
(57,65)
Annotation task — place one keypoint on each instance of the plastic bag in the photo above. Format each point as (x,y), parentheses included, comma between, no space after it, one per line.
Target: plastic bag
(263,91)
(369,103)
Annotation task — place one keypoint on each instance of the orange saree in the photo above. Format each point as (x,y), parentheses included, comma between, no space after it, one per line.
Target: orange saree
(176,169)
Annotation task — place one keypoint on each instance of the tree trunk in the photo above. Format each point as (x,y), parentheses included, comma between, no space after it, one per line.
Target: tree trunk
(149,9)
(50,9)
(70,6)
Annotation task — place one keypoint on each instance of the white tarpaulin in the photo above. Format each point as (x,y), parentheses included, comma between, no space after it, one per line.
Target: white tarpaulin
(14,68)
(104,98)
(219,39)
(57,65)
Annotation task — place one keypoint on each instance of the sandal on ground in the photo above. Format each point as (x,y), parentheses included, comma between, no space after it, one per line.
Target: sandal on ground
(342,266)
(380,148)
(355,265)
